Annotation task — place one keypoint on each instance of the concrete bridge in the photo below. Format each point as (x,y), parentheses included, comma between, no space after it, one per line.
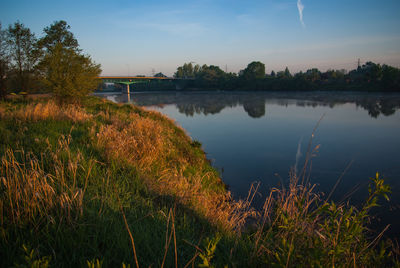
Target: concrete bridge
(129,80)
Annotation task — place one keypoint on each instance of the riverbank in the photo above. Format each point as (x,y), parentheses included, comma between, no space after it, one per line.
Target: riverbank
(108,183)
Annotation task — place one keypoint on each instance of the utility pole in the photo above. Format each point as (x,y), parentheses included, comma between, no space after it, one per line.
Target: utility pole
(358,64)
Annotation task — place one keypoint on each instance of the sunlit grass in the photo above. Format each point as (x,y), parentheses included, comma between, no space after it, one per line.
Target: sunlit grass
(116,184)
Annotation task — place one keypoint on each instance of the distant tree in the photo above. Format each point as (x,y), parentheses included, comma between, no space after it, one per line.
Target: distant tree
(284,74)
(187,71)
(160,75)
(390,77)
(273,74)
(299,75)
(58,33)
(287,73)
(24,54)
(4,63)
(211,76)
(68,74)
(373,71)
(254,70)
(313,75)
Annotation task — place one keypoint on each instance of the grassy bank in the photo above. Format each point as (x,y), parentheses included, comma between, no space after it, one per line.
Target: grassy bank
(101,183)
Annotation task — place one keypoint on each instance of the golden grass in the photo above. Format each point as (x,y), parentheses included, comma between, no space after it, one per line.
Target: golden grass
(138,140)
(47,110)
(30,193)
(146,143)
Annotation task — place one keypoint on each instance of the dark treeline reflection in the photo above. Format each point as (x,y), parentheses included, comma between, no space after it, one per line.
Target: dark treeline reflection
(256,103)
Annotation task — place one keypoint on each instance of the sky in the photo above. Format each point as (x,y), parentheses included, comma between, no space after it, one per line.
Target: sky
(146,37)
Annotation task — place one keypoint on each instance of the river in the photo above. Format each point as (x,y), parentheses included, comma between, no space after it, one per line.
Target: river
(260,136)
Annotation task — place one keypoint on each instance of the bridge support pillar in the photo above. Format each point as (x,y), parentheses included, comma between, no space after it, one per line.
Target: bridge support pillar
(127,89)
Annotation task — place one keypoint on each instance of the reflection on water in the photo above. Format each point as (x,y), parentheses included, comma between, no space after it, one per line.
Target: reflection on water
(254,103)
(258,136)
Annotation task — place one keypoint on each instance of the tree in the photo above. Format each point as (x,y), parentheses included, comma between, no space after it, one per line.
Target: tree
(211,76)
(390,77)
(255,70)
(313,74)
(160,75)
(65,71)
(24,54)
(287,73)
(58,33)
(187,71)
(69,74)
(4,63)
(284,74)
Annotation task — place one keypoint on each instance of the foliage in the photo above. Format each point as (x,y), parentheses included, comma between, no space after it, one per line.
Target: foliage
(24,55)
(69,74)
(255,70)
(187,71)
(208,254)
(66,72)
(211,76)
(32,259)
(4,63)
(370,76)
(52,63)
(58,34)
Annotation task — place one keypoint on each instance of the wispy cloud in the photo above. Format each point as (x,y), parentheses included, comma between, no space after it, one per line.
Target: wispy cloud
(300,7)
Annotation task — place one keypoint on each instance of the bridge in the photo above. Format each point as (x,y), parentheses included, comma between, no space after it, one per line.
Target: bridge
(129,80)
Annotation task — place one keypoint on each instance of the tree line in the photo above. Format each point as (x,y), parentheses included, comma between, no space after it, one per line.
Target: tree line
(52,63)
(369,76)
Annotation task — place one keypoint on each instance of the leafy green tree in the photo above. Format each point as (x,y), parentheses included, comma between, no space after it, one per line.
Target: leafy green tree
(187,71)
(24,55)
(58,33)
(4,63)
(211,76)
(65,71)
(254,70)
(69,74)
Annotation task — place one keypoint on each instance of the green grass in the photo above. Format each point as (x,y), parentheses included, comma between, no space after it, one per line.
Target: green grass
(104,161)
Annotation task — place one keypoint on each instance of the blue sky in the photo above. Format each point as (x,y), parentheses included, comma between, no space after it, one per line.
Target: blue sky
(137,37)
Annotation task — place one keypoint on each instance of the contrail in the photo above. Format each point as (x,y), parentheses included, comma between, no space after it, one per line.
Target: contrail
(300,7)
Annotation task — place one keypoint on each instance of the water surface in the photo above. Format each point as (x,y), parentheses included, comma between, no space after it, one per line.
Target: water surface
(259,136)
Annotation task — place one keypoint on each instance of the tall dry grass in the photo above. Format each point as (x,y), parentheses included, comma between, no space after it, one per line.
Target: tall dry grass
(31,194)
(147,144)
(139,140)
(46,110)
